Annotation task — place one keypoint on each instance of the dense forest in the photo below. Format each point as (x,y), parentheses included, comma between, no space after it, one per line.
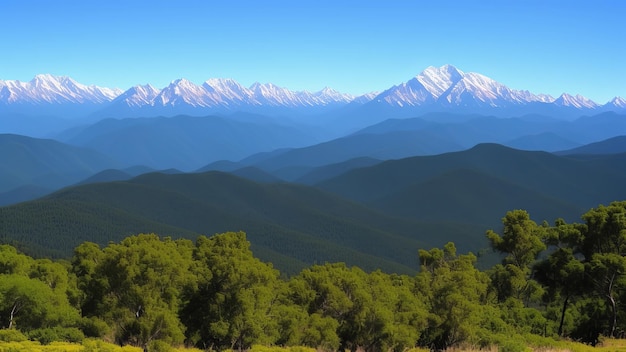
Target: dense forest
(560,280)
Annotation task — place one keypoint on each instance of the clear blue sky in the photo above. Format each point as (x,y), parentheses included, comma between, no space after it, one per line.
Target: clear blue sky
(547,46)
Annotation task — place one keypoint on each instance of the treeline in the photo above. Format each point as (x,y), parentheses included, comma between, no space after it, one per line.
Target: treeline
(561,280)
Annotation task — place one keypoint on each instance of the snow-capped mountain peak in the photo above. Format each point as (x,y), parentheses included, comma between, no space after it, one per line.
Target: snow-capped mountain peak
(50,89)
(138,96)
(183,92)
(433,89)
(577,101)
(438,80)
(329,96)
(227,91)
(617,102)
(448,87)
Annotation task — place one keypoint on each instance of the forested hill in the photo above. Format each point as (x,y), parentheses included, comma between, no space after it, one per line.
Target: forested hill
(373,217)
(289,225)
(479,184)
(555,284)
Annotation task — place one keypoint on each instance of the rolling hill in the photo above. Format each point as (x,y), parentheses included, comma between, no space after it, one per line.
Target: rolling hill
(383,146)
(45,163)
(613,145)
(479,183)
(291,225)
(183,142)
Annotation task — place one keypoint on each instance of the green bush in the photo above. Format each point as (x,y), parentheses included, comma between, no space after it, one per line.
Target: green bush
(93,345)
(159,346)
(513,346)
(9,335)
(48,335)
(94,327)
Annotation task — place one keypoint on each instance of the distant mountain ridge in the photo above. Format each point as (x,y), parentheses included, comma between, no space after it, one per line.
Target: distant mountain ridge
(444,87)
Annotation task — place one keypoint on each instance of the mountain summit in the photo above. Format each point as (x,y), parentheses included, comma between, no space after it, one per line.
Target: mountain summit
(444,88)
(49,89)
(449,86)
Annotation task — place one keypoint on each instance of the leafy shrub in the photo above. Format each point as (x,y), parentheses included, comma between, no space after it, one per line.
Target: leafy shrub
(94,327)
(513,346)
(9,335)
(159,346)
(94,345)
(48,335)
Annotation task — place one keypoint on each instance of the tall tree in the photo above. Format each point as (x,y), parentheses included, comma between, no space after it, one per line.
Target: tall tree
(454,292)
(136,286)
(561,272)
(234,295)
(603,245)
(521,242)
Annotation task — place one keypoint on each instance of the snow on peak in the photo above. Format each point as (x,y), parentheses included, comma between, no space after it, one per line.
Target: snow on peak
(618,102)
(329,96)
(438,80)
(50,89)
(435,86)
(227,91)
(577,101)
(139,96)
(449,86)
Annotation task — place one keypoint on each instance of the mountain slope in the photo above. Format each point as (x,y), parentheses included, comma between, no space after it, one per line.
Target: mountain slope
(184,142)
(46,163)
(571,184)
(613,145)
(470,195)
(392,145)
(299,222)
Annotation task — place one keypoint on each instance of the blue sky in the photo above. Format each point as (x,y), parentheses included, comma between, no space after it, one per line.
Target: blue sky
(353,46)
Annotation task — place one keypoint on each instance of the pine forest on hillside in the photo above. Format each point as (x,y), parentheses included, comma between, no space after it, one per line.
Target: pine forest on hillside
(555,281)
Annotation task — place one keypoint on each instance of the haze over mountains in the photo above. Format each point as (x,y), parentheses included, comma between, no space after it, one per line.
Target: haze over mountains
(442,156)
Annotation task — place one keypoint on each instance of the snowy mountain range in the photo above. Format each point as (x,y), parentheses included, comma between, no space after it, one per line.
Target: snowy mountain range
(449,86)
(49,89)
(435,88)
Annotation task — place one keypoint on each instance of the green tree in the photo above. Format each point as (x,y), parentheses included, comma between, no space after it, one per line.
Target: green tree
(373,312)
(562,273)
(30,304)
(455,293)
(12,262)
(135,286)
(234,295)
(603,245)
(521,242)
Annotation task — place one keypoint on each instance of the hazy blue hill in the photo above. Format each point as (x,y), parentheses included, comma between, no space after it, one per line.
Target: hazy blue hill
(138,170)
(22,194)
(107,176)
(530,132)
(256,174)
(221,165)
(40,126)
(392,125)
(547,141)
(469,130)
(421,122)
(590,129)
(46,163)
(185,142)
(613,145)
(572,183)
(325,172)
(392,145)
(303,224)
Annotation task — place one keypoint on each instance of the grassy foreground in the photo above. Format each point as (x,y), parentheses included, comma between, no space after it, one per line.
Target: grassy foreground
(92,345)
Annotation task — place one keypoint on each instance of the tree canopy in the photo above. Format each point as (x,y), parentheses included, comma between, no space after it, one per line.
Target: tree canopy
(555,281)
